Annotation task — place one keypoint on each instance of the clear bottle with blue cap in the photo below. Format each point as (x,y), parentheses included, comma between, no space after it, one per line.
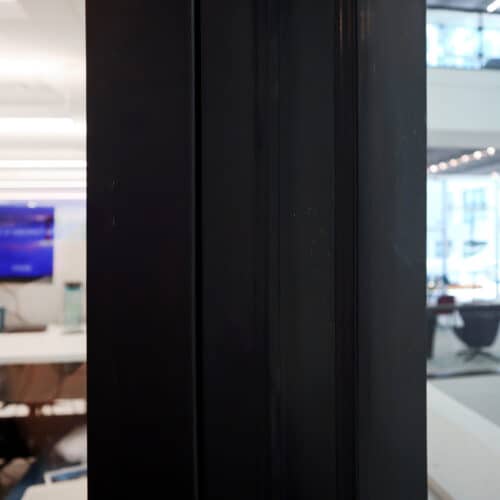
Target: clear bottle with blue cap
(73,306)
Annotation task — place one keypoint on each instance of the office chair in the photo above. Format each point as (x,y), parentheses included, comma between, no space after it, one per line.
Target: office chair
(445,307)
(479,331)
(492,64)
(431,331)
(447,303)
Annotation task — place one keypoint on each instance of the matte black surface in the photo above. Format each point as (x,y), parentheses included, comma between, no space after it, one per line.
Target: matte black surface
(311,256)
(345,225)
(306,231)
(235,373)
(391,250)
(140,249)
(267,196)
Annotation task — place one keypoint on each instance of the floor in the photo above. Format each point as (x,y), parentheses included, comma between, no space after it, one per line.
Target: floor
(479,393)
(447,362)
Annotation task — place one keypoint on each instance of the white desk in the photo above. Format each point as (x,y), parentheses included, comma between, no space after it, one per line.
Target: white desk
(50,347)
(463,450)
(68,490)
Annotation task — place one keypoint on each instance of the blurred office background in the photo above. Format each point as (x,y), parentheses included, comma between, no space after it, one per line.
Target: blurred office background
(42,249)
(463,248)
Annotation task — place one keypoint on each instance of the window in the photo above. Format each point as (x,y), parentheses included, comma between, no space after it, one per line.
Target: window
(474,205)
(443,249)
(464,40)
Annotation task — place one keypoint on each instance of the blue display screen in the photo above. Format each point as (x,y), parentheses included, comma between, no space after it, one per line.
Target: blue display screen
(26,242)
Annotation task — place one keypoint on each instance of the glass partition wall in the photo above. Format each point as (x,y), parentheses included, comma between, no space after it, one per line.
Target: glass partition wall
(42,249)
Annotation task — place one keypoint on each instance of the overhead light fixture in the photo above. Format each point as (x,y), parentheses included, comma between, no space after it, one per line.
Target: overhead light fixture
(39,126)
(42,164)
(59,174)
(45,184)
(29,68)
(477,155)
(33,196)
(493,6)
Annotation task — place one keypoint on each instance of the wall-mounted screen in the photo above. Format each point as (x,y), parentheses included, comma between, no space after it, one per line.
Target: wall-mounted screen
(26,242)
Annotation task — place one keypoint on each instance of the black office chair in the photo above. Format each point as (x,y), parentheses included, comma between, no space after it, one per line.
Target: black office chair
(492,64)
(479,331)
(445,305)
(431,331)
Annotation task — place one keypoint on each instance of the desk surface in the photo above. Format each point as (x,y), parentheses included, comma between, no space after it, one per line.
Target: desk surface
(463,449)
(68,490)
(50,347)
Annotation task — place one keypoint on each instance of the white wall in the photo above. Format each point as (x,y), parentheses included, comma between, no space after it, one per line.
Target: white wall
(43,302)
(463,108)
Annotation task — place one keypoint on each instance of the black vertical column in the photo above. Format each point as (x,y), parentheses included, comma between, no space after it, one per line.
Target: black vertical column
(306,231)
(391,250)
(309,120)
(141,249)
(235,332)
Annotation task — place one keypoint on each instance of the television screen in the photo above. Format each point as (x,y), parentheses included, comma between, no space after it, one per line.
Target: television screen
(26,243)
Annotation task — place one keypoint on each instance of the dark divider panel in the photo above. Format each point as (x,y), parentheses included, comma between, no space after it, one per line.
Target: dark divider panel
(140,249)
(392,339)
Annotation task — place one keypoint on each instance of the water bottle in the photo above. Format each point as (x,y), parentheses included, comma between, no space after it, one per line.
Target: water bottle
(2,318)
(73,305)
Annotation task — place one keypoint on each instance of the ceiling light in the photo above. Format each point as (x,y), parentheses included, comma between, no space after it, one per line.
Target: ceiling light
(42,164)
(465,158)
(493,6)
(26,68)
(494,174)
(42,174)
(39,126)
(477,155)
(491,151)
(53,184)
(433,169)
(453,163)
(443,165)
(32,196)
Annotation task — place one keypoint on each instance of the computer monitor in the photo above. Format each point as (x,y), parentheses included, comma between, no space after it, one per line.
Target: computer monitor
(26,242)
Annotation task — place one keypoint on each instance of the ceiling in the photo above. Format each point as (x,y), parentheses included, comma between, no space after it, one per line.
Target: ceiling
(460,4)
(42,100)
(42,74)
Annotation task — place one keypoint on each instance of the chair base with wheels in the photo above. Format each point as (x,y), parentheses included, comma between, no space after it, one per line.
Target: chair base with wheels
(470,354)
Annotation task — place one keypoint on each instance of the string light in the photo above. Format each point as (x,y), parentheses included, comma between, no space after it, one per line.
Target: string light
(464,159)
